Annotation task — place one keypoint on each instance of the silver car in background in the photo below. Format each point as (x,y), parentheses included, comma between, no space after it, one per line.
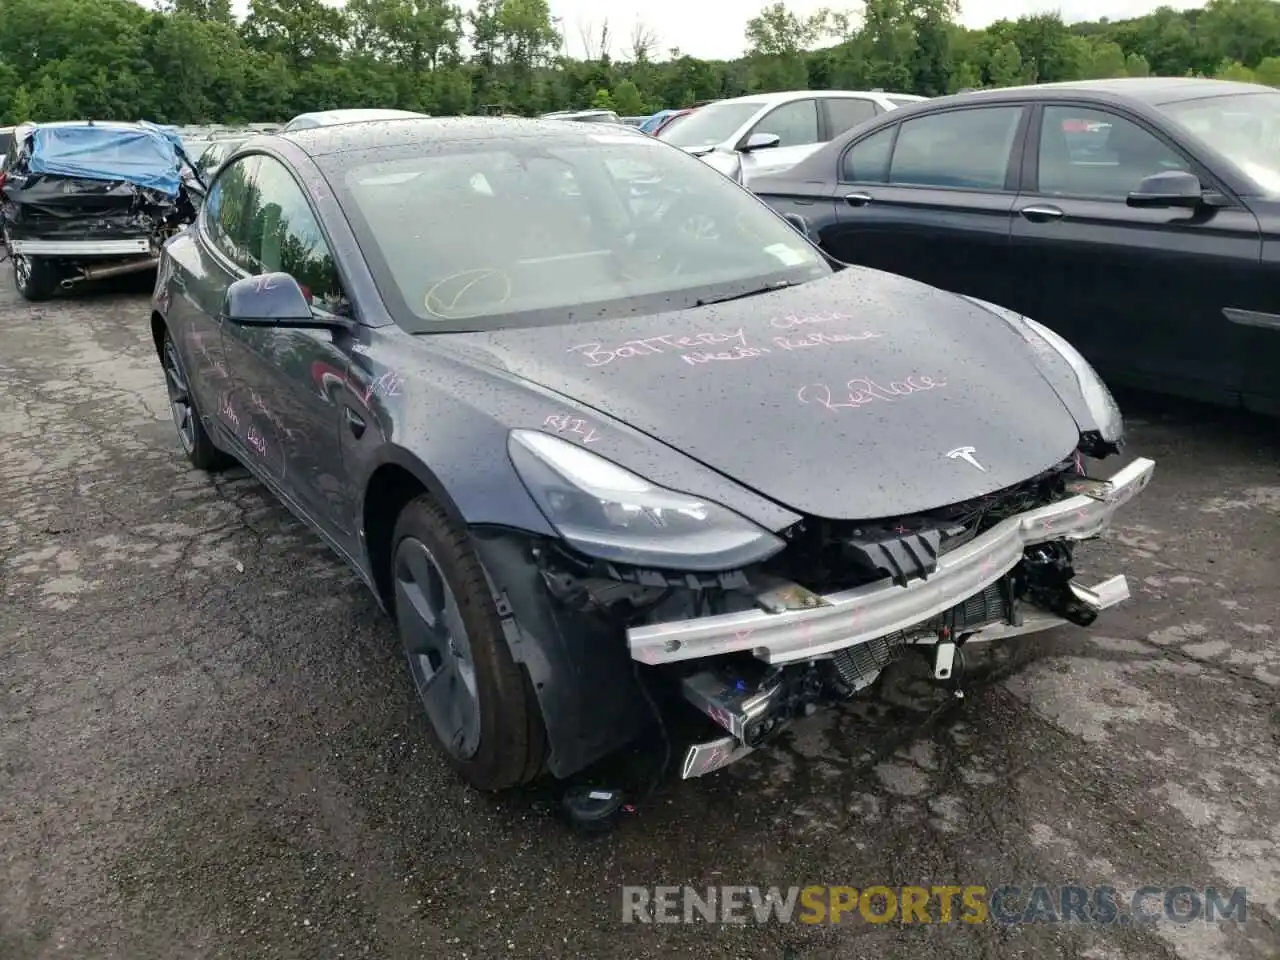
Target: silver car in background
(767,133)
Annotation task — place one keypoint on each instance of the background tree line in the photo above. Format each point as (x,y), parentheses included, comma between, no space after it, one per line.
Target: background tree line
(192,62)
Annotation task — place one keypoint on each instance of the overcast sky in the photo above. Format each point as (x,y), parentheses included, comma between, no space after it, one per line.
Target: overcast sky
(714,30)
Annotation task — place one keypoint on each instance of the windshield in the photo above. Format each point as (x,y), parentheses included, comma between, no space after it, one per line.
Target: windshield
(1245,127)
(714,123)
(902,101)
(484,235)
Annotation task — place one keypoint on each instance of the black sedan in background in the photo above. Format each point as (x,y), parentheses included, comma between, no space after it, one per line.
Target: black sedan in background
(595,424)
(1138,218)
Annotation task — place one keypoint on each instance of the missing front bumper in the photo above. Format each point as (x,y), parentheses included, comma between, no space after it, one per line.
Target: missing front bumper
(738,715)
(880,609)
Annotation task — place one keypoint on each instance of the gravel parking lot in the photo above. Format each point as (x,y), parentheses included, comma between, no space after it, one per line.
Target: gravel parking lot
(211,747)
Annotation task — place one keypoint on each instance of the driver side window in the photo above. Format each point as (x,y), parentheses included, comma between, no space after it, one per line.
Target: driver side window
(795,123)
(1089,153)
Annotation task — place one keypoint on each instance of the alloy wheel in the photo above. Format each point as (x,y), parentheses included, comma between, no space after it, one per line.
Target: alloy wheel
(180,404)
(438,647)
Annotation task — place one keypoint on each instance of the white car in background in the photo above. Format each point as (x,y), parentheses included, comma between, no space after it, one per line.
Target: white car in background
(767,133)
(327,118)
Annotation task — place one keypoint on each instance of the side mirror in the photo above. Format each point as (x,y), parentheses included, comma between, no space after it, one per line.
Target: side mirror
(1172,188)
(759,141)
(800,223)
(268,300)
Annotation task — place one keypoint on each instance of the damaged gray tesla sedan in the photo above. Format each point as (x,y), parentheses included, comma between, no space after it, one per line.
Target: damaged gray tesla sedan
(594,422)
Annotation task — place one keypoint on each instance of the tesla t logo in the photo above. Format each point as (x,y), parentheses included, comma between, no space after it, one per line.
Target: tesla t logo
(965,454)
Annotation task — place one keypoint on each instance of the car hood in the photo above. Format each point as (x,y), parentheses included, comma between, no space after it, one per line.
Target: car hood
(859,396)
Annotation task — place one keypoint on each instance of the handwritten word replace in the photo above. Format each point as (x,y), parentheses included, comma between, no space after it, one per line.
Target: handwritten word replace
(563,423)
(862,391)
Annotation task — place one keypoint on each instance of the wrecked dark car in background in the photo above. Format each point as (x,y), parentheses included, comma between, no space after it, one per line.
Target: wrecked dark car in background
(83,200)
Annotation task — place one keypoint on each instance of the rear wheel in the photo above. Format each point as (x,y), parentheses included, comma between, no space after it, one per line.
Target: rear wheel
(36,278)
(195,440)
(481,707)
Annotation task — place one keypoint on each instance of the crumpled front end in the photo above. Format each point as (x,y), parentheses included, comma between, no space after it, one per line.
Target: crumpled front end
(760,648)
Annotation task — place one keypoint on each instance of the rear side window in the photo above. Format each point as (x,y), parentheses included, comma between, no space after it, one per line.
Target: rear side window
(225,210)
(967,149)
(845,113)
(867,161)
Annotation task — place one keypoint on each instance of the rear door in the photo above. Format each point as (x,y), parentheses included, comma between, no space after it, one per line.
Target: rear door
(932,197)
(1140,292)
(207,267)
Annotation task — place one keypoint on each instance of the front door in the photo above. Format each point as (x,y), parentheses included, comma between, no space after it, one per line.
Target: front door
(290,384)
(930,199)
(798,129)
(1140,292)
(1257,308)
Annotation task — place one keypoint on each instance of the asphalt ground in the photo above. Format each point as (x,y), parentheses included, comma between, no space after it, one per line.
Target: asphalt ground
(210,746)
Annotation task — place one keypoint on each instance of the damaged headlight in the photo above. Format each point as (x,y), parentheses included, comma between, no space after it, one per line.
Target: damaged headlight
(1102,406)
(611,514)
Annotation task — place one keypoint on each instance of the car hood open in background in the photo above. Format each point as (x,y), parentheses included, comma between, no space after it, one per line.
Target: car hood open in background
(843,398)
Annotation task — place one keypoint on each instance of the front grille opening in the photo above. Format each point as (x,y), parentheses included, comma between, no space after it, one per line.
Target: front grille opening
(830,555)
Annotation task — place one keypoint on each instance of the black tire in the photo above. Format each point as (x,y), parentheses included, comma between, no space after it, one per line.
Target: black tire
(35,278)
(195,440)
(501,742)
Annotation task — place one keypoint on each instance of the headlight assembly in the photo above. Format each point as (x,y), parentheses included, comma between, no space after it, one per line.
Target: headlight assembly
(610,513)
(1102,406)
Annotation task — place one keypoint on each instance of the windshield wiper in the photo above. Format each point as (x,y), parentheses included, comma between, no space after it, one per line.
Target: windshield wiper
(767,288)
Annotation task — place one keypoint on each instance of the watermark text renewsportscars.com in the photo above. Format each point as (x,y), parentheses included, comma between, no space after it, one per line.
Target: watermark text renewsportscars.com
(973,904)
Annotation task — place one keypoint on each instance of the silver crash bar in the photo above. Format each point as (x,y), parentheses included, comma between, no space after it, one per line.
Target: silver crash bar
(878,609)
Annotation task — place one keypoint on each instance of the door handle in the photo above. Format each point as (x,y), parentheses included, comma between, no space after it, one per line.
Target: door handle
(355,422)
(1041,214)
(857,199)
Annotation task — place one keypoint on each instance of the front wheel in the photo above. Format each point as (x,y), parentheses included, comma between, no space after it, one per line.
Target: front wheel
(36,278)
(482,710)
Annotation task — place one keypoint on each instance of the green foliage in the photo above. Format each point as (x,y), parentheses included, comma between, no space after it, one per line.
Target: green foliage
(190,61)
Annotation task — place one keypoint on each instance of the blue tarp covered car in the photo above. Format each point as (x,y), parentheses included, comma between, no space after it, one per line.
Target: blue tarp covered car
(141,155)
(83,200)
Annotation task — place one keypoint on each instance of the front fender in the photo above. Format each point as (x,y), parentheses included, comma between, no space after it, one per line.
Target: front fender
(579,666)
(1055,369)
(451,413)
